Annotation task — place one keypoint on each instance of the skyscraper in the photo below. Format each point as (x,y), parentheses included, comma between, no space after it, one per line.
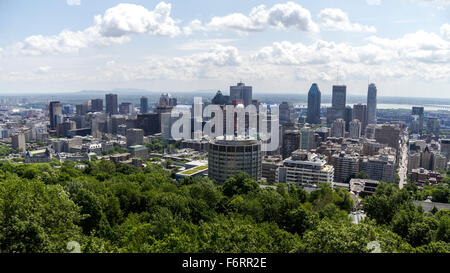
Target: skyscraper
(314,98)
(55,114)
(241,92)
(97,105)
(372,104)
(418,111)
(338,102)
(286,110)
(111,104)
(360,113)
(144,105)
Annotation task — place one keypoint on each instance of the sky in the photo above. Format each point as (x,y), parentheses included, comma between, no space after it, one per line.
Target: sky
(403,46)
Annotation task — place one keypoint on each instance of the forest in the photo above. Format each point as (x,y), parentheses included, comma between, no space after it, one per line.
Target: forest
(119,208)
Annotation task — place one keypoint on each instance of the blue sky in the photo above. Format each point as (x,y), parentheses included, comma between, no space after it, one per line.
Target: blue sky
(275,46)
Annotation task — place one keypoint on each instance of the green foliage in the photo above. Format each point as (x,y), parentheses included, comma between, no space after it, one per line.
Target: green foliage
(109,207)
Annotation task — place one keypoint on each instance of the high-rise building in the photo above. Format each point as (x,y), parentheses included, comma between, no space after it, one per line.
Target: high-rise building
(348,117)
(381,168)
(228,157)
(286,110)
(388,134)
(220,99)
(433,126)
(111,104)
(345,166)
(150,123)
(338,102)
(116,121)
(18,142)
(291,142)
(314,99)
(82,108)
(445,148)
(166,99)
(241,92)
(126,108)
(307,169)
(338,128)
(144,105)
(135,136)
(372,104)
(307,139)
(55,114)
(360,113)
(97,105)
(418,111)
(355,129)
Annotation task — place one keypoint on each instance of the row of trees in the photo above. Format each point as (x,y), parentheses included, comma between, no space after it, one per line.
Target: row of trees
(109,207)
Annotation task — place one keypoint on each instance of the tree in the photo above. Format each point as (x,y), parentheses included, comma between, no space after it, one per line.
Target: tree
(242,183)
(35,217)
(383,205)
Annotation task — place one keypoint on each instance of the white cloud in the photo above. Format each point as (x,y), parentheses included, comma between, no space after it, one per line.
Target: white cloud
(113,27)
(373,2)
(284,16)
(336,19)
(125,19)
(43,69)
(73,2)
(445,31)
(195,25)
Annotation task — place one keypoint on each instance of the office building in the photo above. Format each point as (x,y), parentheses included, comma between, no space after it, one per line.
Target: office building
(360,113)
(150,123)
(241,92)
(417,115)
(144,105)
(314,99)
(82,108)
(97,105)
(111,104)
(55,114)
(308,140)
(338,102)
(291,142)
(433,126)
(372,104)
(135,137)
(126,108)
(445,148)
(286,110)
(228,157)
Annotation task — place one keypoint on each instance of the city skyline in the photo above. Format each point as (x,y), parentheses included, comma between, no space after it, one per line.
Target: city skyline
(85,45)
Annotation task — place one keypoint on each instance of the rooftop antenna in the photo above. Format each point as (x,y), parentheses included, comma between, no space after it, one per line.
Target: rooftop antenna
(337,75)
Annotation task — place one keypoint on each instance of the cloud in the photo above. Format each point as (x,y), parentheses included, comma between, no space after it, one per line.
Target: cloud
(73,2)
(336,19)
(373,2)
(445,31)
(115,26)
(125,19)
(43,69)
(281,16)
